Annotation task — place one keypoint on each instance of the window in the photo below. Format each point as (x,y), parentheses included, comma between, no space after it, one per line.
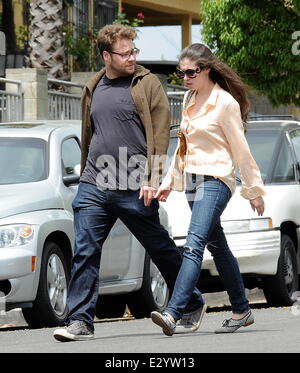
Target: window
(22,160)
(80,18)
(70,154)
(295,137)
(262,144)
(284,169)
(105,12)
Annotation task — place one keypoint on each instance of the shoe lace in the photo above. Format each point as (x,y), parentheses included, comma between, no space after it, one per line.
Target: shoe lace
(226,322)
(187,320)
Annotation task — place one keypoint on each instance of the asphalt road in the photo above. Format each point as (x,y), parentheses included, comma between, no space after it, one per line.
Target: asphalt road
(276,330)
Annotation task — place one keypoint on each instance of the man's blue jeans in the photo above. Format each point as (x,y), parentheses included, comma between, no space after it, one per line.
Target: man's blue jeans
(95,212)
(207,199)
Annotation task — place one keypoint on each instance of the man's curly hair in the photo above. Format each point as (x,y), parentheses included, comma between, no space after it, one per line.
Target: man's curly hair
(109,34)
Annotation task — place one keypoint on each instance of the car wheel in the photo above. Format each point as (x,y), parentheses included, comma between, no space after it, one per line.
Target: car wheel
(152,296)
(110,306)
(279,289)
(49,308)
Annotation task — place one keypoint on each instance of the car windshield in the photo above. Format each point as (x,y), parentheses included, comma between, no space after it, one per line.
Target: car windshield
(262,145)
(261,142)
(22,160)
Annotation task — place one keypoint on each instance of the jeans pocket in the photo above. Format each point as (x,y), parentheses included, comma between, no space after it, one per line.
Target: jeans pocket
(138,208)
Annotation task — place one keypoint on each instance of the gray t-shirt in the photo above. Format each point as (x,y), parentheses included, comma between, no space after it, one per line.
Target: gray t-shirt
(118,147)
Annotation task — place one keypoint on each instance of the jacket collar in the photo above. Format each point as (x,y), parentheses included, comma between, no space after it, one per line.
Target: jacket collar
(91,84)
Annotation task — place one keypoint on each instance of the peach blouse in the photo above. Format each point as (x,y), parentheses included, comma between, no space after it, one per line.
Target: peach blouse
(216,145)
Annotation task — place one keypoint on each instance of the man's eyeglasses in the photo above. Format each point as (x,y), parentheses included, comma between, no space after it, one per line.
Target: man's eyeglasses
(134,52)
(190,73)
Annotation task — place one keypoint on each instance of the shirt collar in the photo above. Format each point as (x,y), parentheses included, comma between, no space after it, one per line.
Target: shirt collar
(212,99)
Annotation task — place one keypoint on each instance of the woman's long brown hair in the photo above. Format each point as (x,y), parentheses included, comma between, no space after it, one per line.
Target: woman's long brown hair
(220,73)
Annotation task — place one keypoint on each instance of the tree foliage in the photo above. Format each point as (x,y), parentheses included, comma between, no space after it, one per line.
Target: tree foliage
(255,38)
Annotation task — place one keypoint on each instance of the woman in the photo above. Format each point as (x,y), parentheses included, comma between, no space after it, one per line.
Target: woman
(215,109)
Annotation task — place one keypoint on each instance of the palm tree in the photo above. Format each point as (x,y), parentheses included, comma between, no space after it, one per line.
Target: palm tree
(46,37)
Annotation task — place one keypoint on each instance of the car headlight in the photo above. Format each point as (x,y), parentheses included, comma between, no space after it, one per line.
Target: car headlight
(15,235)
(247,225)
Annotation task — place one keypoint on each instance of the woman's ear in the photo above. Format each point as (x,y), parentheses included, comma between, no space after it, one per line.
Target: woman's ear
(206,70)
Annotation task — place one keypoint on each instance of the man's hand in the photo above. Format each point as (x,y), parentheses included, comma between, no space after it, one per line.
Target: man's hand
(162,194)
(147,193)
(258,204)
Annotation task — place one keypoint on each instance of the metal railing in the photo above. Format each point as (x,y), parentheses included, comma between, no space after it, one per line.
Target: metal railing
(11,103)
(175,95)
(64,105)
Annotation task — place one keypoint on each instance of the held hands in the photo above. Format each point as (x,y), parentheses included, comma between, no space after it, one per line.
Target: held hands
(258,204)
(148,193)
(162,194)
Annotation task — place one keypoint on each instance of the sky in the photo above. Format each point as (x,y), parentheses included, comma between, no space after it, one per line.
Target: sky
(162,42)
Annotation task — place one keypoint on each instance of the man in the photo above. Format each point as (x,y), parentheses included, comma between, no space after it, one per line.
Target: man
(125,126)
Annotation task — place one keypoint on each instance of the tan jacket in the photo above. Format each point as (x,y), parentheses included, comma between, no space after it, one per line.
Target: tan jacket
(153,108)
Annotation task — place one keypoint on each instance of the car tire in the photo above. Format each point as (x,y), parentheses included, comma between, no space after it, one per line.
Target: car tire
(152,296)
(279,289)
(49,308)
(110,306)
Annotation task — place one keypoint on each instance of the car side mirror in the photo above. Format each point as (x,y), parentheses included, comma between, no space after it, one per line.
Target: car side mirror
(71,180)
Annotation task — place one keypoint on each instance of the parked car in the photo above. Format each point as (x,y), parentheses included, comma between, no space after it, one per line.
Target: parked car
(39,164)
(38,180)
(267,248)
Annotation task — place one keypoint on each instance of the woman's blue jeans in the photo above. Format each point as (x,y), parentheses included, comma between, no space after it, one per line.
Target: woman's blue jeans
(207,198)
(95,212)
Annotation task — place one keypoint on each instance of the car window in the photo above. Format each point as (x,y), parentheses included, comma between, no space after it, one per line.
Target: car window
(284,170)
(262,144)
(22,160)
(170,153)
(295,137)
(71,154)
(172,146)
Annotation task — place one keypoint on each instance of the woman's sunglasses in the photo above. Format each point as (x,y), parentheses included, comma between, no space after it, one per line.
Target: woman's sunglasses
(190,73)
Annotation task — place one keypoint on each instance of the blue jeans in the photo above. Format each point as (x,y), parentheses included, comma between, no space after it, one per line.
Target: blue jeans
(207,201)
(95,212)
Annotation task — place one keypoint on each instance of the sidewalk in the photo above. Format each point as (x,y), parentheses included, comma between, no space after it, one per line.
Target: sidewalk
(15,317)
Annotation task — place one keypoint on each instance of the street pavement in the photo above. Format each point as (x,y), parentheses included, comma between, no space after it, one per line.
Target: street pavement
(276,330)
(14,318)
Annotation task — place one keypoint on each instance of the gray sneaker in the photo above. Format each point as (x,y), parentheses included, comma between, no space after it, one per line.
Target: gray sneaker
(231,325)
(76,331)
(163,320)
(190,322)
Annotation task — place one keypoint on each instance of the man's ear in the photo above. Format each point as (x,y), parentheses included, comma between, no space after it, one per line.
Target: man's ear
(106,56)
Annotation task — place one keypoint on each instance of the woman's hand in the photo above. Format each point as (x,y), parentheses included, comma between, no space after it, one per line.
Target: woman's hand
(258,204)
(162,194)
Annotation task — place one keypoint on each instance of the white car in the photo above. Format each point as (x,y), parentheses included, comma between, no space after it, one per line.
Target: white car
(39,164)
(267,248)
